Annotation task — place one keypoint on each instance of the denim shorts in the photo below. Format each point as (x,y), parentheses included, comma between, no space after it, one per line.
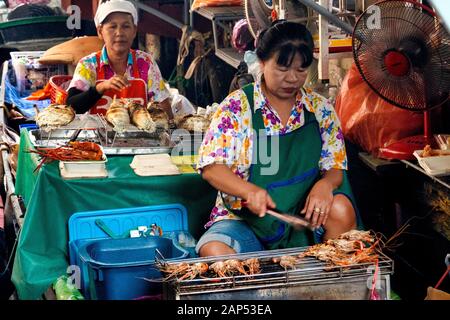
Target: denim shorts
(238,235)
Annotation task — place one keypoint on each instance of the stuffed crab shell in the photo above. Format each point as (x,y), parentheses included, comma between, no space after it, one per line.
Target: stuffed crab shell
(117,115)
(140,117)
(54,116)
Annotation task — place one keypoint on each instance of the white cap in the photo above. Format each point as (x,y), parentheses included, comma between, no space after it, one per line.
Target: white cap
(111,6)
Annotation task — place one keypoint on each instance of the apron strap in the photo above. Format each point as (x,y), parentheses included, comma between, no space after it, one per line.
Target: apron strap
(100,71)
(249,92)
(136,74)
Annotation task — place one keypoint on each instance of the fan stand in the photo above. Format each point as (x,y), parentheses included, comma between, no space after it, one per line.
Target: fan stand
(403,149)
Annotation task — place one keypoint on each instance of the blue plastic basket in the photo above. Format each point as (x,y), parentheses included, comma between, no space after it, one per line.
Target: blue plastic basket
(83,229)
(117,268)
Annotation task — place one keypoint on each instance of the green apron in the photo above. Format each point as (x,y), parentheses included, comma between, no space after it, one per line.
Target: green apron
(299,154)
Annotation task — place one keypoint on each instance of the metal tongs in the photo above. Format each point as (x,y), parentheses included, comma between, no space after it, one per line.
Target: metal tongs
(296,222)
(83,118)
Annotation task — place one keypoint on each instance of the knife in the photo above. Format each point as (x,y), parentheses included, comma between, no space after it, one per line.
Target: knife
(295,222)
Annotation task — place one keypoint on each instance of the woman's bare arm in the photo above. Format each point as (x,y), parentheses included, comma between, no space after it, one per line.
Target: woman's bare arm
(223,179)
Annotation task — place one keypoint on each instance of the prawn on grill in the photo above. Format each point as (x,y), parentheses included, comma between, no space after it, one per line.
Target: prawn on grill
(196,269)
(286,261)
(358,235)
(228,268)
(252,265)
(172,270)
(183,270)
(219,268)
(235,266)
(350,248)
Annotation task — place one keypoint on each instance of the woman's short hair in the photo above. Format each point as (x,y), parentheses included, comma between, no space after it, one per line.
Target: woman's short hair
(286,39)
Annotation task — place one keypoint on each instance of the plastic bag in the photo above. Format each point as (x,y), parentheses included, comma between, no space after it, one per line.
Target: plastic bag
(65,290)
(369,121)
(180,104)
(242,39)
(14,3)
(214,3)
(253,65)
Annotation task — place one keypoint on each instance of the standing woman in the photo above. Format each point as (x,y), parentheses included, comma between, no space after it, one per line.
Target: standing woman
(116,70)
(304,138)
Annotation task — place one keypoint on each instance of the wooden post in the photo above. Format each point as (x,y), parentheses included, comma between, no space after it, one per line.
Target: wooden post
(323,40)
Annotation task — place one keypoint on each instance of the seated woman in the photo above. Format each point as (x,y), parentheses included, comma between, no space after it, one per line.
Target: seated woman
(274,144)
(116,70)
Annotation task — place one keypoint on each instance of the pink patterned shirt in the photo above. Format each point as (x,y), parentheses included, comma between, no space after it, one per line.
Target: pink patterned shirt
(85,74)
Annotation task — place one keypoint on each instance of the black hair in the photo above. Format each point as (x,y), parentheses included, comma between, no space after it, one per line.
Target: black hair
(287,39)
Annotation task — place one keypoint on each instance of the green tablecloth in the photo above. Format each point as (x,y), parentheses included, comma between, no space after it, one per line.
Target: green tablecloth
(42,253)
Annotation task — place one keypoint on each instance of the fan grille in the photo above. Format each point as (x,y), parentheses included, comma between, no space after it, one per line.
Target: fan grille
(409,28)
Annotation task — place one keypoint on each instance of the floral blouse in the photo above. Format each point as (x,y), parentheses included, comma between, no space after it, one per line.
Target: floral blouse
(229,137)
(85,74)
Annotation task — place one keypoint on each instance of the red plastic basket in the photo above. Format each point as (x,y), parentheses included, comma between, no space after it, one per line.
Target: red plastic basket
(57,94)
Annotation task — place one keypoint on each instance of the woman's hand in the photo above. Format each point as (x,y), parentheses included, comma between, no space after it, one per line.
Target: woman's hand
(320,198)
(258,201)
(318,203)
(115,83)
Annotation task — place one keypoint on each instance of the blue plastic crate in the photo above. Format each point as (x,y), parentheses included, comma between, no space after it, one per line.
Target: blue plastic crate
(117,267)
(83,229)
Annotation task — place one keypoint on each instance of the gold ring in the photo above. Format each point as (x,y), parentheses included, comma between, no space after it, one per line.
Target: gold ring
(317,210)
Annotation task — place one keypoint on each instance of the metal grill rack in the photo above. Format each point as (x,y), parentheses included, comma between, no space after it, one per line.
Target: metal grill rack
(90,125)
(311,279)
(134,141)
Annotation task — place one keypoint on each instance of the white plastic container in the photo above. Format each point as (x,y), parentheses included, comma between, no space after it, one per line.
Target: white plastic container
(83,169)
(436,165)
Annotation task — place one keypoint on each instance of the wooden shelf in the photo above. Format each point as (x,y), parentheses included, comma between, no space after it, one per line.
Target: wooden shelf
(229,13)
(220,18)
(230,56)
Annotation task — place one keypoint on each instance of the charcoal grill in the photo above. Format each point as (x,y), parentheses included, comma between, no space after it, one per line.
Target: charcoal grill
(311,279)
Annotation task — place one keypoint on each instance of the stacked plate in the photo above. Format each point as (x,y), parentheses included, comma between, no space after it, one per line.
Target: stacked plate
(154,165)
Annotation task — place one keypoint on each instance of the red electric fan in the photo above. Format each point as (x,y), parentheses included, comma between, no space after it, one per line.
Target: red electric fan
(402,51)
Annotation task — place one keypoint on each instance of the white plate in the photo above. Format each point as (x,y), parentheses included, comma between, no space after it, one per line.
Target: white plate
(436,165)
(97,173)
(82,169)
